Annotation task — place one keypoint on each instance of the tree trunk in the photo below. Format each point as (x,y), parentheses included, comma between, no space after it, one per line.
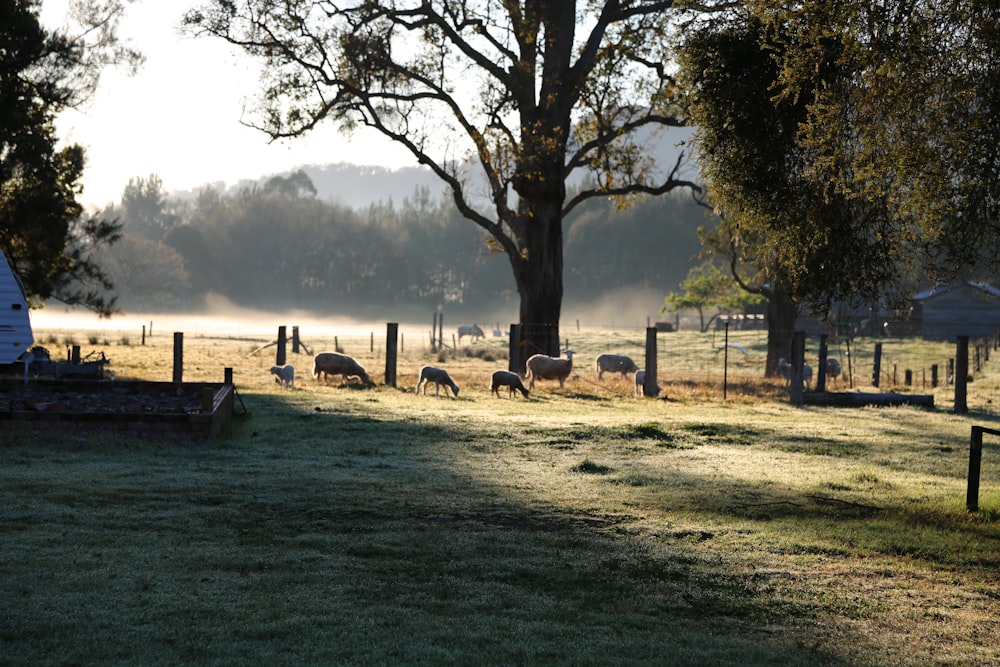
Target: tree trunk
(539,277)
(781,315)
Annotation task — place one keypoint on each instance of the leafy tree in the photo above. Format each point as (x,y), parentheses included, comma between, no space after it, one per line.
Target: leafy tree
(912,121)
(42,228)
(297,184)
(807,244)
(145,211)
(149,275)
(708,287)
(503,101)
(851,145)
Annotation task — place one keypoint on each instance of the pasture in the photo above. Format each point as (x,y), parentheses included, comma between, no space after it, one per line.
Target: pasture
(341,525)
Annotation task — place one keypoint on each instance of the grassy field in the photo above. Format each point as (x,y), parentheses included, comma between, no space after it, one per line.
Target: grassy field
(337,525)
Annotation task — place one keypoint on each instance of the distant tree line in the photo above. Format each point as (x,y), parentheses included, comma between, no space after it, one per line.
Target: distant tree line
(276,246)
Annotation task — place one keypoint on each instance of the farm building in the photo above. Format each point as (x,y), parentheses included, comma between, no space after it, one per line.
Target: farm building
(964,309)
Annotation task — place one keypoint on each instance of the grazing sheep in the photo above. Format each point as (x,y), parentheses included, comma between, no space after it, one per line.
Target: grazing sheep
(786,371)
(544,367)
(507,379)
(640,380)
(284,375)
(833,368)
(615,363)
(470,330)
(332,363)
(439,377)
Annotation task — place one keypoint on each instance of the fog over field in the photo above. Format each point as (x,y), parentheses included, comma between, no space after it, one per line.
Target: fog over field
(628,308)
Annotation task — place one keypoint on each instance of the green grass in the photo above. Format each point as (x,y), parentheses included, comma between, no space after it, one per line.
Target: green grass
(336,526)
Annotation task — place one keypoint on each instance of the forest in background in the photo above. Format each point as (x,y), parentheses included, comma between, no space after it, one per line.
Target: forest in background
(283,244)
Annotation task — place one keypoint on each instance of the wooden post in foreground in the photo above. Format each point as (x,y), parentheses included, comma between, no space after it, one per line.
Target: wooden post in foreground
(391,337)
(649,383)
(821,371)
(975,465)
(279,357)
(798,358)
(178,357)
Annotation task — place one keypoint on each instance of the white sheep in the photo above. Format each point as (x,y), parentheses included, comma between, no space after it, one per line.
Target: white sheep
(333,363)
(439,377)
(507,379)
(640,380)
(615,363)
(544,367)
(786,372)
(284,376)
(470,330)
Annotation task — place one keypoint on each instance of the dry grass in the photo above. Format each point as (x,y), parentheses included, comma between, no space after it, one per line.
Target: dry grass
(581,526)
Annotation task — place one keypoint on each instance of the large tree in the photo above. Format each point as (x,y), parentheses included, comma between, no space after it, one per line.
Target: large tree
(807,242)
(914,119)
(43,231)
(504,101)
(851,145)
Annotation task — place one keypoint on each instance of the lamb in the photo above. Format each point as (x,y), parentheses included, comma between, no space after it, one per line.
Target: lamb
(640,380)
(470,330)
(615,363)
(544,367)
(786,371)
(332,363)
(284,376)
(507,379)
(439,377)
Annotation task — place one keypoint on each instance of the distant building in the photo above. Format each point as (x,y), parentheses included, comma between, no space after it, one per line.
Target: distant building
(964,309)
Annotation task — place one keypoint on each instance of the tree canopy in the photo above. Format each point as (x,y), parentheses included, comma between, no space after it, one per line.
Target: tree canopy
(847,145)
(43,231)
(506,102)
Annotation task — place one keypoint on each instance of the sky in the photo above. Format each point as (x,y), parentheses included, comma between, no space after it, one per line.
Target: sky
(179,117)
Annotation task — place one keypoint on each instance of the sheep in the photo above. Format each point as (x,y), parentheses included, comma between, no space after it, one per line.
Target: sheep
(507,379)
(544,367)
(439,377)
(640,380)
(786,372)
(615,363)
(284,376)
(470,330)
(332,363)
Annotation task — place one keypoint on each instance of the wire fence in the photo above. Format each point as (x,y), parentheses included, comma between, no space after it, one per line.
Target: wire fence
(712,357)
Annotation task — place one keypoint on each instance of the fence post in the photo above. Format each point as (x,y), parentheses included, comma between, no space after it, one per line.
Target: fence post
(178,356)
(934,375)
(725,363)
(798,358)
(280,354)
(391,335)
(961,374)
(823,352)
(975,464)
(514,362)
(295,340)
(877,365)
(649,384)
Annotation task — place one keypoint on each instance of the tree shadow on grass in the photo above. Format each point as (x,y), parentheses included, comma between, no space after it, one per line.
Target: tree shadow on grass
(339,532)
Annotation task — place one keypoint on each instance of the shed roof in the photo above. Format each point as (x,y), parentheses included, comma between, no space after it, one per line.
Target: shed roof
(944,288)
